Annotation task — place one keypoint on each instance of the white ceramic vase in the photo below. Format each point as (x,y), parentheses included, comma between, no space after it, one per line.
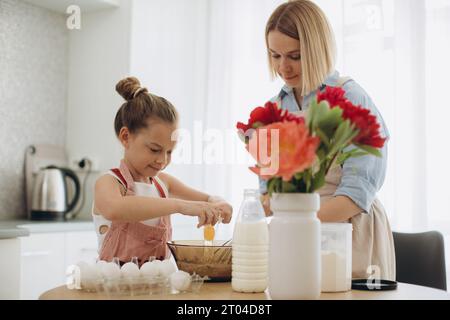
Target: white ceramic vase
(295,246)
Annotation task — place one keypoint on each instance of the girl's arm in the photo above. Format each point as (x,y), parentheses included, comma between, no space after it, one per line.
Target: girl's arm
(179,190)
(338,209)
(110,202)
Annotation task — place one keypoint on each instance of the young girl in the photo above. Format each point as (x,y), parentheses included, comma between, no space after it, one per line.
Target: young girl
(133,203)
(300,46)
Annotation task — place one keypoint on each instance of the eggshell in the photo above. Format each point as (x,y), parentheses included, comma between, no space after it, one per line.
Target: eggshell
(167,268)
(88,274)
(111,270)
(130,270)
(151,268)
(180,280)
(100,263)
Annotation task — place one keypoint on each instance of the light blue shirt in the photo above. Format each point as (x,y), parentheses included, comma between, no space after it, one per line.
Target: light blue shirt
(362,177)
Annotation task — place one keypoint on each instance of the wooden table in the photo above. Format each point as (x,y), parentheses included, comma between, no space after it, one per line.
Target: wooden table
(223,291)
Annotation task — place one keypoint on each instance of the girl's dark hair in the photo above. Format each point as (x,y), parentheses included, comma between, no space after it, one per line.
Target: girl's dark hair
(140,106)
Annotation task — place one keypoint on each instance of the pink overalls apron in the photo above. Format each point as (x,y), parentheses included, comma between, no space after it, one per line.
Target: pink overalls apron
(126,240)
(372,241)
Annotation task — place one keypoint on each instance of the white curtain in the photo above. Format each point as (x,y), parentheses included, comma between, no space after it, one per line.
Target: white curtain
(398,51)
(237,81)
(209,58)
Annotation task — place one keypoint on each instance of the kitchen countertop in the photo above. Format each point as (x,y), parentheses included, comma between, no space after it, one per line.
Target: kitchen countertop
(22,228)
(223,291)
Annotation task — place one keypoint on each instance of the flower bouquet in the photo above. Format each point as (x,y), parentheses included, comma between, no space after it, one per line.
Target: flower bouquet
(295,153)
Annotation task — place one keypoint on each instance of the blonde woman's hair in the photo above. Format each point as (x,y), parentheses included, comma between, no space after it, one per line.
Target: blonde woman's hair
(305,21)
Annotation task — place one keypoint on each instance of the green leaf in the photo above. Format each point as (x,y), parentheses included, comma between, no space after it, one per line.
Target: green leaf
(355,153)
(340,135)
(298,175)
(331,121)
(288,187)
(310,115)
(307,179)
(374,151)
(271,185)
(318,181)
(323,137)
(274,185)
(257,124)
(343,137)
(321,154)
(315,113)
(321,112)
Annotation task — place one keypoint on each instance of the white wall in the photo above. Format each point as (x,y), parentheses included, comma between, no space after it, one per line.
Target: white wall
(132,40)
(169,56)
(99,56)
(33,92)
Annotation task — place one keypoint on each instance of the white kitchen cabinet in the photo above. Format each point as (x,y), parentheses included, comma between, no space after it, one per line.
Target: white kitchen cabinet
(9,268)
(85,5)
(46,256)
(42,264)
(81,246)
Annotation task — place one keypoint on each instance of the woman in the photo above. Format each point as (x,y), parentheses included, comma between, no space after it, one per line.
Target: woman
(301,51)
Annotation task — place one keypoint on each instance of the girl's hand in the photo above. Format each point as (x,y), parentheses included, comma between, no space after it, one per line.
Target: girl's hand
(226,211)
(207,213)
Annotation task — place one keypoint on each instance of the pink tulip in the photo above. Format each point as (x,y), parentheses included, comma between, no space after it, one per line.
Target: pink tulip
(283,149)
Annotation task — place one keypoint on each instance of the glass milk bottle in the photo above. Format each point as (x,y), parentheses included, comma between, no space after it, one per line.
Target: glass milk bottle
(250,247)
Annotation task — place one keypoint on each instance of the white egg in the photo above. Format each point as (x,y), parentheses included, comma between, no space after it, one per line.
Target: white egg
(111,271)
(180,280)
(167,268)
(130,270)
(157,262)
(151,268)
(88,275)
(100,263)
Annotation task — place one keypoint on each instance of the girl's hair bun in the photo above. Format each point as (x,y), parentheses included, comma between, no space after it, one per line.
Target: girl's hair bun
(129,88)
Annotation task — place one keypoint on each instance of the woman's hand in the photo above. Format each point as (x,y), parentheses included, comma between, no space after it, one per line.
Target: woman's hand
(207,213)
(265,200)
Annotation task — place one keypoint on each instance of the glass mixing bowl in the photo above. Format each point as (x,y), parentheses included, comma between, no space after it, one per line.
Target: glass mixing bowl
(197,256)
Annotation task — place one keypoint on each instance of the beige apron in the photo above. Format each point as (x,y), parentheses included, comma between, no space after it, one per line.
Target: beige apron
(373,243)
(373,252)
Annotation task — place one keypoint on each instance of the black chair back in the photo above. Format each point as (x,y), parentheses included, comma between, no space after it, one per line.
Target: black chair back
(420,259)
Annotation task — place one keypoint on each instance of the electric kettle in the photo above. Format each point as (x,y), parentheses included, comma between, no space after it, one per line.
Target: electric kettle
(50,194)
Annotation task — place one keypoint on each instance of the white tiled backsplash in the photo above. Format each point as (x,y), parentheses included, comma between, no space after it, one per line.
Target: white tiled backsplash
(33,92)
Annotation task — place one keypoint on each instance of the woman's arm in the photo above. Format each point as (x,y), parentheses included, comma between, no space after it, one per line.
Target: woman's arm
(110,202)
(338,209)
(179,190)
(362,177)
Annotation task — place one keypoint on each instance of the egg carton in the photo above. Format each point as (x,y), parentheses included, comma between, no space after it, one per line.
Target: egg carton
(136,286)
(142,285)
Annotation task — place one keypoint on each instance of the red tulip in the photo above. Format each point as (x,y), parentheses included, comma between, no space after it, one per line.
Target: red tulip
(268,114)
(366,123)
